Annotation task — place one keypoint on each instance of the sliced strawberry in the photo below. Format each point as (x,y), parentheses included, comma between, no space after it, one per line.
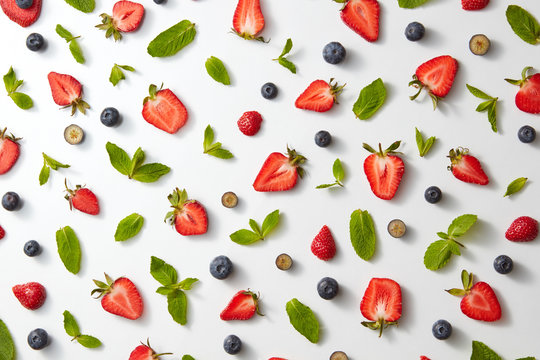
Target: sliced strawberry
(279,172)
(362,16)
(31,295)
(523,229)
(384,171)
(381,304)
(23,17)
(242,306)
(189,216)
(82,199)
(466,167)
(145,352)
(119,297)
(248,20)
(126,17)
(164,110)
(323,245)
(474,4)
(67,92)
(528,96)
(437,75)
(9,151)
(319,96)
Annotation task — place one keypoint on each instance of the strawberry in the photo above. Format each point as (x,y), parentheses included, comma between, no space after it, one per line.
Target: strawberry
(67,91)
(384,171)
(474,4)
(250,123)
(528,96)
(23,17)
(362,16)
(9,151)
(189,216)
(381,304)
(2,232)
(145,352)
(276,358)
(424,358)
(248,20)
(279,172)
(31,295)
(126,17)
(119,297)
(437,75)
(479,301)
(82,199)
(164,110)
(242,306)
(319,96)
(524,228)
(466,167)
(323,245)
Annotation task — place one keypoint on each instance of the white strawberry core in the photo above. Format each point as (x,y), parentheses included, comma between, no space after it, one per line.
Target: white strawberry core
(380,310)
(249,25)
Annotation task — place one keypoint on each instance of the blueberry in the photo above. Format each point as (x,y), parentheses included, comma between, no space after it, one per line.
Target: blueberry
(441,329)
(526,134)
(221,267)
(414,31)
(38,339)
(34,41)
(110,116)
(334,53)
(10,201)
(323,138)
(159,2)
(24,4)
(433,194)
(269,90)
(327,288)
(232,344)
(32,248)
(503,264)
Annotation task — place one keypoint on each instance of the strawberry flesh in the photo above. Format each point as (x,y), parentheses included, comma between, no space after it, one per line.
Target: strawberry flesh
(191,219)
(142,352)
(384,171)
(466,167)
(481,303)
(248,20)
(85,201)
(65,88)
(165,111)
(9,152)
(319,96)
(23,17)
(438,74)
(528,96)
(31,295)
(123,299)
(362,16)
(381,303)
(242,306)
(323,245)
(127,15)
(279,172)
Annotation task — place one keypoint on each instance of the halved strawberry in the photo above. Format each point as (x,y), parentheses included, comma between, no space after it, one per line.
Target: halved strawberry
(319,96)
(280,172)
(23,17)
(242,306)
(67,92)
(164,110)
(126,17)
(381,304)
(248,20)
(437,75)
(384,171)
(362,16)
(189,216)
(9,151)
(119,297)
(466,167)
(528,96)
(145,352)
(82,199)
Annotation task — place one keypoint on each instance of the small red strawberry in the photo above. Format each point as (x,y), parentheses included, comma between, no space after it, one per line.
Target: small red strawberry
(437,76)
(82,199)
(466,167)
(323,245)
(319,96)
(164,110)
(250,123)
(384,170)
(362,16)
(424,358)
(189,216)
(280,172)
(275,358)
(523,229)
(248,20)
(480,301)
(31,295)
(2,233)
(9,151)
(381,304)
(474,4)
(145,352)
(528,96)
(119,297)
(67,92)
(23,17)
(126,17)
(242,306)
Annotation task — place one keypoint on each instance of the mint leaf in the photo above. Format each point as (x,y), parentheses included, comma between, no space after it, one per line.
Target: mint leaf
(255,227)
(483,106)
(303,320)
(515,186)
(165,290)
(70,325)
(424,146)
(188,357)
(217,70)
(461,225)
(527,358)
(119,158)
(88,341)
(214,149)
(523,24)
(438,254)
(86,6)
(128,227)
(283,61)
(76,51)
(117,74)
(187,283)
(137,160)
(370,99)
(478,93)
(177,306)
(64,34)
(362,233)
(7,347)
(23,101)
(146,173)
(480,351)
(337,170)
(490,105)
(164,273)
(492,115)
(11,83)
(326,186)
(69,249)
(287,48)
(411,4)
(44,174)
(245,237)
(172,40)
(270,222)
(150,172)
(53,163)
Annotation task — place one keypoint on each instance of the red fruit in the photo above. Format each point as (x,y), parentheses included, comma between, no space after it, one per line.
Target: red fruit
(279,172)
(126,17)
(67,91)
(164,110)
(381,304)
(466,167)
(189,216)
(524,228)
(145,352)
(362,16)
(528,96)
(437,75)
(242,306)
(424,358)
(248,20)
(323,245)
(474,4)
(23,17)
(384,171)
(83,200)
(320,96)
(31,295)
(9,151)
(250,123)
(275,358)
(119,297)
(2,233)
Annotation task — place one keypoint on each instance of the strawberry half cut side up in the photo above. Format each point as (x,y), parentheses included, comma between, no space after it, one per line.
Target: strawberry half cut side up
(384,170)
(466,167)
(145,352)
(82,199)
(67,92)
(528,96)
(243,306)
(381,304)
(362,16)
(280,172)
(248,20)
(189,216)
(23,17)
(437,76)
(119,297)
(164,110)
(126,17)
(9,151)
(319,96)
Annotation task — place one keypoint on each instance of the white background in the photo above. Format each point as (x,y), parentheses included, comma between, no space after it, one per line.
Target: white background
(311,24)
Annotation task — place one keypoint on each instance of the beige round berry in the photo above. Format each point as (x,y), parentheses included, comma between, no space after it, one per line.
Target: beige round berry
(397,228)
(284,262)
(229,199)
(339,355)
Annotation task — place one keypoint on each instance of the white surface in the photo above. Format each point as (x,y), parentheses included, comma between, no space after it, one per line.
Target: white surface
(311,24)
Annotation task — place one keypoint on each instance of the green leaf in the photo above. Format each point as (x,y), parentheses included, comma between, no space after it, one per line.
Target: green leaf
(443,235)
(164,273)
(325,186)
(187,283)
(478,93)
(136,160)
(437,254)
(424,147)
(64,34)
(527,358)
(208,137)
(89,341)
(287,64)
(217,70)
(188,357)
(270,222)
(483,106)
(523,24)
(150,172)
(461,224)
(7,347)
(10,81)
(480,351)
(287,48)
(362,234)
(116,75)
(23,101)
(515,186)
(128,227)
(214,149)
(44,174)
(411,4)
(370,100)
(337,170)
(165,290)
(70,325)
(303,320)
(76,51)
(255,227)
(53,163)
(245,237)
(86,6)
(119,158)
(69,249)
(172,40)
(220,153)
(177,306)
(126,67)
(492,116)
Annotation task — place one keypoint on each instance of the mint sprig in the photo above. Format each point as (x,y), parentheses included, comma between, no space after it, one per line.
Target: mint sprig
(217,71)
(370,99)
(134,167)
(188,357)
(282,59)
(490,105)
(69,249)
(11,83)
(117,74)
(172,40)
(523,24)
(481,351)
(48,164)
(86,6)
(339,175)
(128,227)
(212,148)
(74,47)
(247,237)
(411,4)
(303,320)
(72,329)
(362,233)
(7,347)
(424,145)
(515,186)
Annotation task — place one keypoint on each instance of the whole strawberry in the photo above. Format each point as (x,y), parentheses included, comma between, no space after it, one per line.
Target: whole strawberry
(323,245)
(23,17)
(319,96)
(9,151)
(67,92)
(2,233)
(279,172)
(528,96)
(466,167)
(250,123)
(523,229)
(189,216)
(31,295)
(384,170)
(437,76)
(82,199)
(242,306)
(119,297)
(145,352)
(126,17)
(474,4)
